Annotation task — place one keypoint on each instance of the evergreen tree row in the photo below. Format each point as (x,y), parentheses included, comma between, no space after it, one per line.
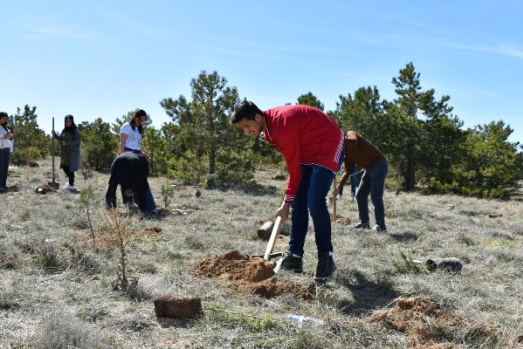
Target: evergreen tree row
(424,142)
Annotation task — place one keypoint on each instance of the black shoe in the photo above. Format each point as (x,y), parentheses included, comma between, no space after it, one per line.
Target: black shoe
(362,225)
(294,263)
(326,266)
(109,204)
(379,229)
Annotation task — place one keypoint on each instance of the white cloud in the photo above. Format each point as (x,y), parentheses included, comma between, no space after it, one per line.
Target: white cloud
(47,29)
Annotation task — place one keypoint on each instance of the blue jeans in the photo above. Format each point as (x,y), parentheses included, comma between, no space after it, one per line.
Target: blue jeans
(311,198)
(150,205)
(353,182)
(372,182)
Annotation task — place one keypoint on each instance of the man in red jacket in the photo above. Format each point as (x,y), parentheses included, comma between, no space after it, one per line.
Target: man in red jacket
(312,144)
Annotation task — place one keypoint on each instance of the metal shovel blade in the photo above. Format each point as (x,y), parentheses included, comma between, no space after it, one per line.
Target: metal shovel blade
(278,265)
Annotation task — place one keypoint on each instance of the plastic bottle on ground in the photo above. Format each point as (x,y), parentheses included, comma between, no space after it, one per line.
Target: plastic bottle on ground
(305,321)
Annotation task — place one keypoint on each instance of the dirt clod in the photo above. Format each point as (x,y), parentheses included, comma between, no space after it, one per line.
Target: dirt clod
(257,270)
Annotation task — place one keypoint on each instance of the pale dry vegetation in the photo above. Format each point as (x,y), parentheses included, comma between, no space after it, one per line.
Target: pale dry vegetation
(62,288)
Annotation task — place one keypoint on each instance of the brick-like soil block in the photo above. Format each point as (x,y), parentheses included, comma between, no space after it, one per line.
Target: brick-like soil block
(177,307)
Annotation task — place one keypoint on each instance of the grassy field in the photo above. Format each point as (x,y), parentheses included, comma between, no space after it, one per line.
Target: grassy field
(62,285)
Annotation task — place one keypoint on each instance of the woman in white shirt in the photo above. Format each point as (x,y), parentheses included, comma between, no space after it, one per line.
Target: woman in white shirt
(5,151)
(131,133)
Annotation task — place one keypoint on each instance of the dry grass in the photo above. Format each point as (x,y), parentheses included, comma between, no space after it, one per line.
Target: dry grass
(57,283)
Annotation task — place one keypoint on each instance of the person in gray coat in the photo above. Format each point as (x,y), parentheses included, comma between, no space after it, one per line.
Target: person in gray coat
(69,150)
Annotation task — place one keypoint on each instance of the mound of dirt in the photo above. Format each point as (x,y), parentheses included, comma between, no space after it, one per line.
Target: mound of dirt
(252,276)
(258,270)
(45,188)
(419,318)
(230,265)
(340,219)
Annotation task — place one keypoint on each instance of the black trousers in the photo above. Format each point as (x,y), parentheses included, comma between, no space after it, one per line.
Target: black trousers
(69,174)
(4,166)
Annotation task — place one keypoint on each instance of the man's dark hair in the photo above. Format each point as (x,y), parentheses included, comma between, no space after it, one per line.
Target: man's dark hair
(245,110)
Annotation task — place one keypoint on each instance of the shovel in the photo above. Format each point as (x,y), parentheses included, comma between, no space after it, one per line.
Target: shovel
(334,183)
(268,251)
(53,184)
(334,208)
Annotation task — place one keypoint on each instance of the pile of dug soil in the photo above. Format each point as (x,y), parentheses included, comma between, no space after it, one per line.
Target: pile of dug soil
(45,188)
(419,318)
(249,275)
(340,219)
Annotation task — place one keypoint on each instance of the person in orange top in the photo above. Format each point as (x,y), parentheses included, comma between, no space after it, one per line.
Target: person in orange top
(363,154)
(312,144)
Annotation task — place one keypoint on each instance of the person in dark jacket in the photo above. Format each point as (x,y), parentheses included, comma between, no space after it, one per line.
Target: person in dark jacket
(363,154)
(130,171)
(69,150)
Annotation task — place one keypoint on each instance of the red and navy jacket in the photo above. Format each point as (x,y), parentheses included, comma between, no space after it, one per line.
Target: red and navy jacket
(305,136)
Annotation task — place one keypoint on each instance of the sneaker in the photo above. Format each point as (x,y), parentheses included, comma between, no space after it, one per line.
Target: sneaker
(292,262)
(362,225)
(151,214)
(378,229)
(326,266)
(69,187)
(131,205)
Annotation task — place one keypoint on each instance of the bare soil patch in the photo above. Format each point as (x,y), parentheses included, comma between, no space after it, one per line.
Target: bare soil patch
(249,275)
(419,318)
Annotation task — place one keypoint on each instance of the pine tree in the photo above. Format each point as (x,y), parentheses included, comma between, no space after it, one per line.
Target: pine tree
(31,142)
(210,150)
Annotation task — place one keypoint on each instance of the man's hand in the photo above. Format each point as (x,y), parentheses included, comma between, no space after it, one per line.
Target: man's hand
(283,211)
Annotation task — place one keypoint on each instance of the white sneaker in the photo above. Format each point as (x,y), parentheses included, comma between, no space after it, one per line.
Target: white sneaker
(69,187)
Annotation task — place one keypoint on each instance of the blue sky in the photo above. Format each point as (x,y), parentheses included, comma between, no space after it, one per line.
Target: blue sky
(104,58)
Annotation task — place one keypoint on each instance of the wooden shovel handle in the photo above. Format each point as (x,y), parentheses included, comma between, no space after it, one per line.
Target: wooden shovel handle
(272,239)
(334,184)
(334,207)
